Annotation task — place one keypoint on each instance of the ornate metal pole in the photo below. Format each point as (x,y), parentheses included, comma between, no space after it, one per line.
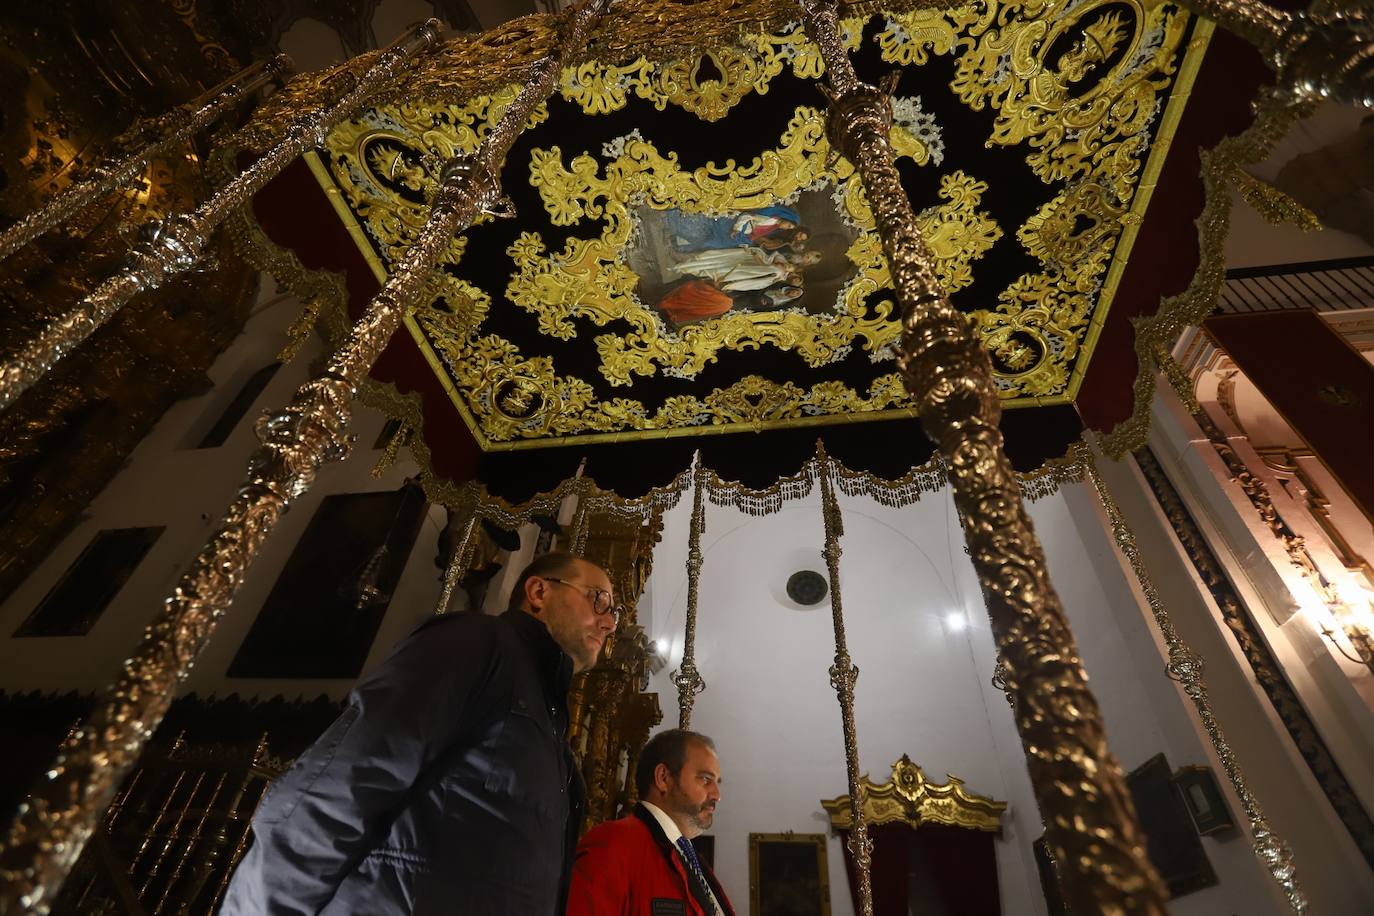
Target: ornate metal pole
(1185,666)
(687,678)
(844,674)
(1090,821)
(173,245)
(54,824)
(458,563)
(176,127)
(1324,52)
(582,520)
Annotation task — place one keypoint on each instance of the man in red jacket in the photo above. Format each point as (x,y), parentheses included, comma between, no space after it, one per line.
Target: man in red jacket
(644,864)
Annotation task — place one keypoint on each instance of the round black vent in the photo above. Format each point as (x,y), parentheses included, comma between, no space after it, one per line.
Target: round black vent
(807,587)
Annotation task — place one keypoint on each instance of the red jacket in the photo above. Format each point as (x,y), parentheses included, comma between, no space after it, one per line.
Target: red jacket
(628,868)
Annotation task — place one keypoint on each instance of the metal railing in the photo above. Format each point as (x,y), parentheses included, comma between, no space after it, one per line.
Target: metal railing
(1343,284)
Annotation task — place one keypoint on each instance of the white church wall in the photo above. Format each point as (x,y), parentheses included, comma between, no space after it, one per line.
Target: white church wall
(919,634)
(1332,871)
(169,482)
(1145,712)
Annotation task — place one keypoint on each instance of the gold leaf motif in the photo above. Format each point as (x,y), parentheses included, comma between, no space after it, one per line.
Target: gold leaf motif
(911,37)
(518,398)
(1076,82)
(589,279)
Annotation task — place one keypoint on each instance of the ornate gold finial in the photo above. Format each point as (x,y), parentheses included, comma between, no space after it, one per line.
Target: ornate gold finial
(909,797)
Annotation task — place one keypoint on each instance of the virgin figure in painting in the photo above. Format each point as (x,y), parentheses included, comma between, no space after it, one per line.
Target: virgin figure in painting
(692,232)
(697,267)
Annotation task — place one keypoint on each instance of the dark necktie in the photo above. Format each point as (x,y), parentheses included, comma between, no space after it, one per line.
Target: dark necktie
(689,856)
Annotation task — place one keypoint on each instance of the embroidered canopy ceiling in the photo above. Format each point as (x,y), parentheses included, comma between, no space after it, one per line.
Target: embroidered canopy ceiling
(688,255)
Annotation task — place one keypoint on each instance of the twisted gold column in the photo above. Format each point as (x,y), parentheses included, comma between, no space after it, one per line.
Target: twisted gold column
(173,245)
(844,674)
(1324,52)
(1186,667)
(687,678)
(1090,822)
(55,823)
(175,128)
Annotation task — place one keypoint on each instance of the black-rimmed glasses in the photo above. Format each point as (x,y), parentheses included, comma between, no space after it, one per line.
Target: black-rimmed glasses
(599,597)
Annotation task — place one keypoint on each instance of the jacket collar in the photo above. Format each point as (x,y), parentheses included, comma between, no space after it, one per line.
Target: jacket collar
(670,852)
(555,667)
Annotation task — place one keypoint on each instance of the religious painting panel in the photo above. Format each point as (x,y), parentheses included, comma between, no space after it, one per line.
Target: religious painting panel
(693,267)
(788,875)
(1170,837)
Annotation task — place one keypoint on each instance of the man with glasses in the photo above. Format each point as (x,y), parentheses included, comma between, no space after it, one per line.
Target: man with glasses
(447,785)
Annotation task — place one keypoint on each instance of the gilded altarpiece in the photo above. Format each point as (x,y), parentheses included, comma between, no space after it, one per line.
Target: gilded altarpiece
(611,716)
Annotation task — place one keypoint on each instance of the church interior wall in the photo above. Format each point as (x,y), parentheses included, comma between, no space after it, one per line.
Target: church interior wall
(919,635)
(1330,866)
(169,482)
(916,626)
(1333,689)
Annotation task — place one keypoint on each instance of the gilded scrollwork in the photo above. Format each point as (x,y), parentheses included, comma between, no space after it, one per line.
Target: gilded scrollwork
(514,396)
(1077,82)
(909,797)
(1075,87)
(588,278)
(708,84)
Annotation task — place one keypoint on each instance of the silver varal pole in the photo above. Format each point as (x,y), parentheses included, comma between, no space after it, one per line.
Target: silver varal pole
(54,824)
(173,245)
(177,127)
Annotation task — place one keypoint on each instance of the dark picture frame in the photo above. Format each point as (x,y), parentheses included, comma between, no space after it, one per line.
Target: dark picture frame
(323,613)
(788,875)
(1197,786)
(1049,878)
(1171,840)
(73,605)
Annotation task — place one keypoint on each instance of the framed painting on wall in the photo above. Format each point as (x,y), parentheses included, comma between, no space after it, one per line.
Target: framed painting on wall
(1171,840)
(788,875)
(1198,787)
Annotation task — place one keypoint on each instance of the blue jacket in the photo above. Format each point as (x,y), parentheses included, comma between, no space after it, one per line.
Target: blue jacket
(446,786)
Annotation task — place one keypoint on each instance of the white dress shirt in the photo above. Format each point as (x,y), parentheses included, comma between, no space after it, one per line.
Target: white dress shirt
(674,833)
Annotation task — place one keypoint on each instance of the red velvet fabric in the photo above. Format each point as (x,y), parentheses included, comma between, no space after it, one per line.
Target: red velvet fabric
(961,866)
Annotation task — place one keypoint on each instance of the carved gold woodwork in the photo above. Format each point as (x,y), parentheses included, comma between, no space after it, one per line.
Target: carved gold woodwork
(1085,118)
(908,797)
(610,717)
